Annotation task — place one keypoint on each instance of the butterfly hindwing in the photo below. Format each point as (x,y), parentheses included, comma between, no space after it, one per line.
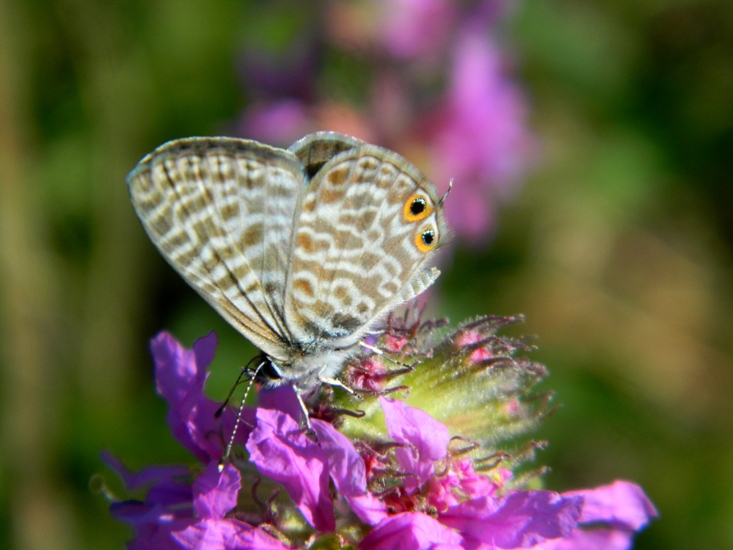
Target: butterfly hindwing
(356,252)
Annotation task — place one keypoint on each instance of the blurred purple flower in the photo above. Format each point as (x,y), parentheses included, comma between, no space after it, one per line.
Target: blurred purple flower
(479,136)
(473,131)
(418,495)
(277,122)
(415,28)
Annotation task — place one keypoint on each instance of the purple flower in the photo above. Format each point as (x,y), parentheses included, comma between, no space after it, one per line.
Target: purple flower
(518,519)
(409,488)
(215,494)
(283,453)
(180,375)
(278,122)
(419,453)
(413,530)
(182,515)
(182,510)
(479,136)
(414,28)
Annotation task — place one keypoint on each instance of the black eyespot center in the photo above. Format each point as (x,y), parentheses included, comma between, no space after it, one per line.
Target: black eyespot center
(428,237)
(418,206)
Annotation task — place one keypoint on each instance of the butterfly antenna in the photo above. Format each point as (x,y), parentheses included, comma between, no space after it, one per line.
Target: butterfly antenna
(252,376)
(442,199)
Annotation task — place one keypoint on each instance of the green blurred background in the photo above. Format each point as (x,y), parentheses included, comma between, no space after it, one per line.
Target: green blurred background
(617,245)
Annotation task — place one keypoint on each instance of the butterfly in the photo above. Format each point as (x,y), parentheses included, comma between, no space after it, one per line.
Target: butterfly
(302,250)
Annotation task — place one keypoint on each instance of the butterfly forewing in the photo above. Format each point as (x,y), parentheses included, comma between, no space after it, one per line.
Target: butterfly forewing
(221,212)
(354,253)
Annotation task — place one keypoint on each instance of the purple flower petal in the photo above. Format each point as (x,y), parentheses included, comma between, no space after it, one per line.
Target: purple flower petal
(597,539)
(348,473)
(425,439)
(411,530)
(215,493)
(283,453)
(204,349)
(137,514)
(167,504)
(180,380)
(231,534)
(158,537)
(146,476)
(521,519)
(281,398)
(180,377)
(622,504)
(169,495)
(153,524)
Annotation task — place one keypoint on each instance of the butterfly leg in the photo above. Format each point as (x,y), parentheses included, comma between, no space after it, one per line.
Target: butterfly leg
(338,384)
(303,409)
(381,353)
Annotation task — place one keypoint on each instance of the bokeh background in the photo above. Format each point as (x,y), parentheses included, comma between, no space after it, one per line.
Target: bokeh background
(591,144)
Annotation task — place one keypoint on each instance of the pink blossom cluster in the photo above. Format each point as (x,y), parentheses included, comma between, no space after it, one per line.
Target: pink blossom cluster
(412,491)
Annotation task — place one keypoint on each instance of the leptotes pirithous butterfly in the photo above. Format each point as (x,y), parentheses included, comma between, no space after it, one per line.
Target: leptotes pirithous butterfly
(301,250)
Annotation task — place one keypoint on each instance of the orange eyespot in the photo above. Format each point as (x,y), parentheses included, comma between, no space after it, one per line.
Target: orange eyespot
(417,207)
(426,239)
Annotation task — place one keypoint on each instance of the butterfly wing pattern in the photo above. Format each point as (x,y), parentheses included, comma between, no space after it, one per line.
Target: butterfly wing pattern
(301,250)
(220,211)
